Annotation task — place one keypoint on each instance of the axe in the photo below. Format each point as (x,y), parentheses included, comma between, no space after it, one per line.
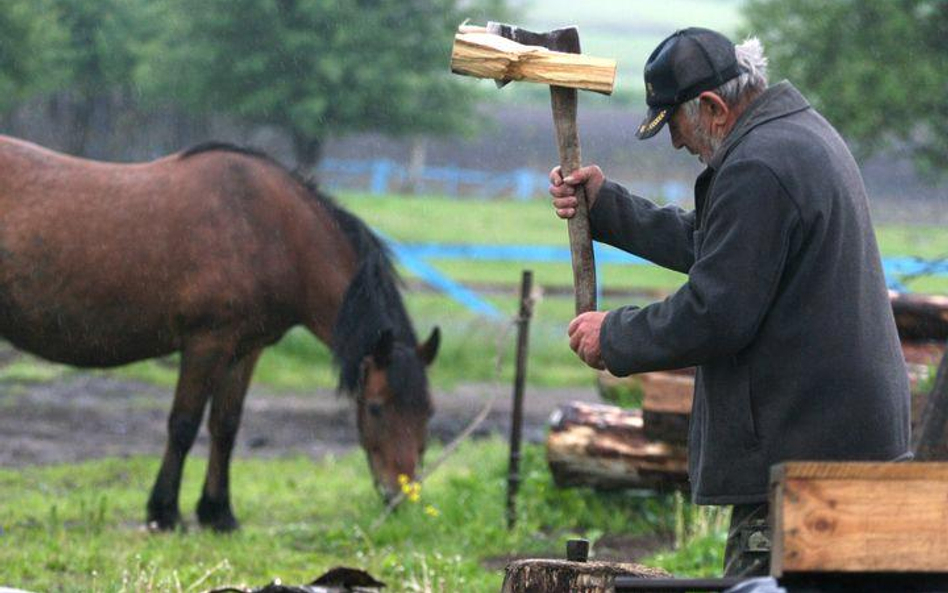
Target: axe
(505,53)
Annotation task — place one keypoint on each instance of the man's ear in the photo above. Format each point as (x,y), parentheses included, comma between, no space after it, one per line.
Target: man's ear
(715,108)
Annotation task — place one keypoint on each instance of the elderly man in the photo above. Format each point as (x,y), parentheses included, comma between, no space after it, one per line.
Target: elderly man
(785,311)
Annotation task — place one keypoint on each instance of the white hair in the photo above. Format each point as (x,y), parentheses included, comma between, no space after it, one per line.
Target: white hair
(752,64)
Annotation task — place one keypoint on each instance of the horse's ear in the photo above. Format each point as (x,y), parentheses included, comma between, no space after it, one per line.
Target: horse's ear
(382,351)
(428,350)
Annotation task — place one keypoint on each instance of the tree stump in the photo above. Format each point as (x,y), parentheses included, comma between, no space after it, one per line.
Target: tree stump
(563,576)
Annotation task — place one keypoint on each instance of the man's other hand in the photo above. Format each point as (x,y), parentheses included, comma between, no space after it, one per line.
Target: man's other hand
(564,190)
(584,337)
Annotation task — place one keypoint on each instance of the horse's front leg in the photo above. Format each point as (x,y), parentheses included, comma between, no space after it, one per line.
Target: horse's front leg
(214,509)
(203,360)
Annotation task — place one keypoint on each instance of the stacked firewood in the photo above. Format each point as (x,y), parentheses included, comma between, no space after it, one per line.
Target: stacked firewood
(609,447)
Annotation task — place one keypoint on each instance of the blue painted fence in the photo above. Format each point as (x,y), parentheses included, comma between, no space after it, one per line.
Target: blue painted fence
(381,176)
(414,256)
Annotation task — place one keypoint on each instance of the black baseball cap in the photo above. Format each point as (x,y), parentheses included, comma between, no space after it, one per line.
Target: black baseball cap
(684,65)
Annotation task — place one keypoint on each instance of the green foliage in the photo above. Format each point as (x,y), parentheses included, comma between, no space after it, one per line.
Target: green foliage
(76,527)
(313,66)
(628,394)
(702,557)
(101,48)
(875,68)
(31,45)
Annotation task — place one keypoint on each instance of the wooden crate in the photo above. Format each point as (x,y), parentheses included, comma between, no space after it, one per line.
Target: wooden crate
(859,518)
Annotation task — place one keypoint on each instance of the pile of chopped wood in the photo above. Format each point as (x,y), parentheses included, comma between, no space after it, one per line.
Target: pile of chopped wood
(609,447)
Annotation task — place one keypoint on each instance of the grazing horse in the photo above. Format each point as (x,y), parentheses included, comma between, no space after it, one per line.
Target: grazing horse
(214,252)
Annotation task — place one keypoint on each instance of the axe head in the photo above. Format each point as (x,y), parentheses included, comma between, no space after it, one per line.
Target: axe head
(564,40)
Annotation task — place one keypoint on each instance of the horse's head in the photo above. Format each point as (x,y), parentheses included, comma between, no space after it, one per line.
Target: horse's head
(393,407)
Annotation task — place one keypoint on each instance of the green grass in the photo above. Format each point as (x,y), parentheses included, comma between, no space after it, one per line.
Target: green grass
(497,222)
(27,370)
(532,222)
(77,527)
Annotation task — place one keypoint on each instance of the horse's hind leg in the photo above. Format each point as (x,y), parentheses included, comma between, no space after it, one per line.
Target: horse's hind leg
(214,509)
(203,360)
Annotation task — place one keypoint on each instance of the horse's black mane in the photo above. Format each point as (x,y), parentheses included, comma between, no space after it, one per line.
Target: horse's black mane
(372,303)
(215,145)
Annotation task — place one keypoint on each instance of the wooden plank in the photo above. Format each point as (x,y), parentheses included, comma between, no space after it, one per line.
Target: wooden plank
(860,517)
(859,470)
(485,55)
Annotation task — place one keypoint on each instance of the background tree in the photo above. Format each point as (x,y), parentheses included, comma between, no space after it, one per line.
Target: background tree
(31,45)
(72,58)
(313,67)
(877,69)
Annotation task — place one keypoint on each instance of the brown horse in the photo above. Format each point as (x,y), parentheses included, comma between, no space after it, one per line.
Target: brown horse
(215,253)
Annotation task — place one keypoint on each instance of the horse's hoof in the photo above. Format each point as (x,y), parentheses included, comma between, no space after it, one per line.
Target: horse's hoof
(224,525)
(217,515)
(163,525)
(163,519)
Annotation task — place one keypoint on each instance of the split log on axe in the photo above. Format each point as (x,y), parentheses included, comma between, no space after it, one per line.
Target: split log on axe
(505,53)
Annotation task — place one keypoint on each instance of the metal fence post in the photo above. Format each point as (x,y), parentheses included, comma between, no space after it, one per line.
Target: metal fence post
(516,422)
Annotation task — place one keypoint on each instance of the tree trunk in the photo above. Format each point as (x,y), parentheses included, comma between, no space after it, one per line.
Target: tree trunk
(416,165)
(308,151)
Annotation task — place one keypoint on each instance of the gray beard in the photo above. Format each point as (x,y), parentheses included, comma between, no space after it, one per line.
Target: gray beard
(711,143)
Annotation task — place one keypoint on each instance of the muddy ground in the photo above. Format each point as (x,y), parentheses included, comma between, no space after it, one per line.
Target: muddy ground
(81,416)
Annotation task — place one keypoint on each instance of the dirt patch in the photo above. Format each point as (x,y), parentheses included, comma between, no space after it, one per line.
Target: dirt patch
(80,416)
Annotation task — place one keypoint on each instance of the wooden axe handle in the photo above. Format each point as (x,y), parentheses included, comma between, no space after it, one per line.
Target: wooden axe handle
(563,101)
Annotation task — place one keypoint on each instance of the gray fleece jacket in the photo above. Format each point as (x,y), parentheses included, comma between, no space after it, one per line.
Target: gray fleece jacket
(785,311)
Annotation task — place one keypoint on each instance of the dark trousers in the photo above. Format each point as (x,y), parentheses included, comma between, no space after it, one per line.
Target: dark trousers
(747,552)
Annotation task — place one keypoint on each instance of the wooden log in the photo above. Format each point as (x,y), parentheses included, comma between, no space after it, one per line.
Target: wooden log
(561,576)
(859,517)
(920,316)
(605,447)
(666,405)
(670,393)
(485,55)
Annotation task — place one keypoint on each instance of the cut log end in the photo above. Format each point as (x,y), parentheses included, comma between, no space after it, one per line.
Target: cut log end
(561,576)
